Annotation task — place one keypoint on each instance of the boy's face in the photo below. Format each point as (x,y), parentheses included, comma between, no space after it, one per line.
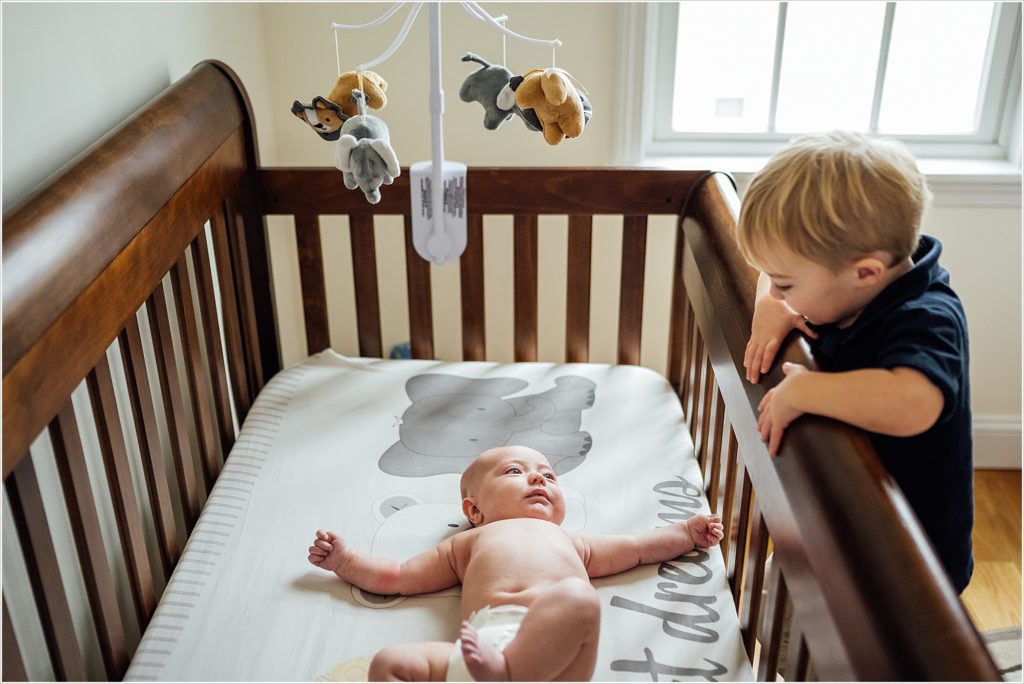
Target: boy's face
(816,292)
(514,482)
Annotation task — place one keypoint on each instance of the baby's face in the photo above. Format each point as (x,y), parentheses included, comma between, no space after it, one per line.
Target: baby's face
(816,292)
(515,482)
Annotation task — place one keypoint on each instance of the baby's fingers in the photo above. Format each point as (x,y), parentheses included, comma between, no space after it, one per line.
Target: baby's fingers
(325,545)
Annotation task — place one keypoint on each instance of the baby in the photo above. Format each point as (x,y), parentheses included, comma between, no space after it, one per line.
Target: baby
(529,610)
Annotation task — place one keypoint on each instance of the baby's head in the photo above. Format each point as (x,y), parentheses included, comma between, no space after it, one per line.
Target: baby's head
(511,482)
(832,201)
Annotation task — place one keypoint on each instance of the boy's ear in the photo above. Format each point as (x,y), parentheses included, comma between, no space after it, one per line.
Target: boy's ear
(472,511)
(869,270)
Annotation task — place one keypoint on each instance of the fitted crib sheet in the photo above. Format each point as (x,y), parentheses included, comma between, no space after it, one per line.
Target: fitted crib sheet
(373,449)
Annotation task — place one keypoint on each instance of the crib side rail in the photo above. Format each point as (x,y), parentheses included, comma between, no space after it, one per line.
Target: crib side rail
(867,604)
(122,391)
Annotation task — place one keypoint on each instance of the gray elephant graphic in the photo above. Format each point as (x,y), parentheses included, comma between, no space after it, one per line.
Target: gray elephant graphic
(453,419)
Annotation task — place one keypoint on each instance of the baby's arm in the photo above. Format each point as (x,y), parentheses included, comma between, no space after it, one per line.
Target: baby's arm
(901,402)
(608,555)
(773,319)
(432,570)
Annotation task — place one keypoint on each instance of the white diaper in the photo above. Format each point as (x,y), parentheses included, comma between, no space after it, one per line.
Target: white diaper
(496,626)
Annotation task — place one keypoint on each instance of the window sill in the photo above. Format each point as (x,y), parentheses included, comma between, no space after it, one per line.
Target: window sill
(953,182)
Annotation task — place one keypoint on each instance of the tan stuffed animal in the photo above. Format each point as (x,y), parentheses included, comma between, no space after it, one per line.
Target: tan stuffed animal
(556,102)
(373,86)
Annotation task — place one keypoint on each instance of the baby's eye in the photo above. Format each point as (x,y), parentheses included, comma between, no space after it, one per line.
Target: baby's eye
(550,476)
(513,471)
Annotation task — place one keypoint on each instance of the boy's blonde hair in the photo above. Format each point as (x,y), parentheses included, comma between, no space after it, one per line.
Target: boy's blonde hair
(834,197)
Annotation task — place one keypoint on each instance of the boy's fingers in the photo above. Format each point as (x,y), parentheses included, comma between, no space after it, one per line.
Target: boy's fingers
(773,447)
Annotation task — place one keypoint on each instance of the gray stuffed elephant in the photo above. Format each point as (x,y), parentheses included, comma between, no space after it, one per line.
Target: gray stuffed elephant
(484,86)
(364,154)
(453,419)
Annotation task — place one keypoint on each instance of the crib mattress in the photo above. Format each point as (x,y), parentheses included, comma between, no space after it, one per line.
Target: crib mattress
(373,450)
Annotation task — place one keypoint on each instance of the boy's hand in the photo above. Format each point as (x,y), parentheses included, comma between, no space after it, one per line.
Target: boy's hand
(777,408)
(328,551)
(705,530)
(773,319)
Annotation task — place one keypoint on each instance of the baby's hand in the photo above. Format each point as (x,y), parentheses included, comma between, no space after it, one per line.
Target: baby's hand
(705,530)
(328,551)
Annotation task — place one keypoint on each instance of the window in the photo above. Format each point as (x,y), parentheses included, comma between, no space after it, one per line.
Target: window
(742,78)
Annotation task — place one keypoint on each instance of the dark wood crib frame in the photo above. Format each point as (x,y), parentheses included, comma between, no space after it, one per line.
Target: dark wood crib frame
(126,219)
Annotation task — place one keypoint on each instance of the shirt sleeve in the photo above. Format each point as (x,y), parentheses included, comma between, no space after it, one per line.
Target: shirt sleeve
(933,341)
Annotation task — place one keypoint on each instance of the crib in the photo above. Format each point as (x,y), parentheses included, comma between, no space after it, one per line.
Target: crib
(97,242)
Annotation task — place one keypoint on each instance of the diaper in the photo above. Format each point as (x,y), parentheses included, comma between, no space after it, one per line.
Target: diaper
(496,626)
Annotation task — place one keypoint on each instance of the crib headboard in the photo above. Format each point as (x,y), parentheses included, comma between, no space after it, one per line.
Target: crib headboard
(154,241)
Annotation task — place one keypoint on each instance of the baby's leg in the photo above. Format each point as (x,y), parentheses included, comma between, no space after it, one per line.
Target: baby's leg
(556,642)
(422,662)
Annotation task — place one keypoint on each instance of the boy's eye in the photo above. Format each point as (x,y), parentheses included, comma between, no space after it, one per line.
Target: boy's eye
(782,288)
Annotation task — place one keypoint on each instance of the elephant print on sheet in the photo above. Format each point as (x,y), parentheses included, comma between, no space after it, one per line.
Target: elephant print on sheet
(453,419)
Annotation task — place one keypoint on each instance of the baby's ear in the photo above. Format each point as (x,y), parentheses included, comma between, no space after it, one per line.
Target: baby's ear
(472,511)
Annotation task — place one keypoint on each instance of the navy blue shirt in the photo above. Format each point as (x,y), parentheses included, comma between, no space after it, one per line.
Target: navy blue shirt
(918,322)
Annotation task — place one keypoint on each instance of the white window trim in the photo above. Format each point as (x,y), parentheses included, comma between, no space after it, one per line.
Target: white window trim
(991,178)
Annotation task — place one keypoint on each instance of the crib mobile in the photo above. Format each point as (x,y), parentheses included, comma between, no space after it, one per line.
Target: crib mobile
(548,100)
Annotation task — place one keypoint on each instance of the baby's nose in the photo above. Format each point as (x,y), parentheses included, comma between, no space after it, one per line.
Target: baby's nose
(537,478)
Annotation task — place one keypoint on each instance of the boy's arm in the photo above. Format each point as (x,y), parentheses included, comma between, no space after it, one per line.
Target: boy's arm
(900,402)
(429,571)
(773,319)
(612,554)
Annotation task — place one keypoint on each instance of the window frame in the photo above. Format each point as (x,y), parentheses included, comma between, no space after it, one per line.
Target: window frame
(992,155)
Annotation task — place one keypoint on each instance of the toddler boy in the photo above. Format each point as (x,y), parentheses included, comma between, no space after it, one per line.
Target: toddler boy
(833,224)
(529,610)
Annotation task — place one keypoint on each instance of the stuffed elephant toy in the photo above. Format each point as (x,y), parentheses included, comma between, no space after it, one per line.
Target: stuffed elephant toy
(485,86)
(364,155)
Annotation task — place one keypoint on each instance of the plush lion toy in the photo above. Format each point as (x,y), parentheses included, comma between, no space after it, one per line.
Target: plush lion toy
(373,86)
(555,101)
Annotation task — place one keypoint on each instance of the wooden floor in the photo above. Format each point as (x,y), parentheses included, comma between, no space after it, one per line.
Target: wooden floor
(993,597)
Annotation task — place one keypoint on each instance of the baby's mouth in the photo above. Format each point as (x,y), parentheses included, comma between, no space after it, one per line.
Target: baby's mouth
(538,494)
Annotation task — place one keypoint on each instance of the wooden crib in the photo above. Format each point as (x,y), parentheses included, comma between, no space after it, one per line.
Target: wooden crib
(101,241)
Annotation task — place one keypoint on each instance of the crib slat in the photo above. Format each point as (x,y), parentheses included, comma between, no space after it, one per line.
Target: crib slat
(253,336)
(798,662)
(211,335)
(122,489)
(705,425)
(716,452)
(689,342)
(130,340)
(738,546)
(525,284)
(174,409)
(364,256)
(754,584)
(85,525)
(471,275)
(421,316)
(697,366)
(13,665)
(195,372)
(311,276)
(768,667)
(577,314)
(44,575)
(731,464)
(631,289)
(229,306)
(679,308)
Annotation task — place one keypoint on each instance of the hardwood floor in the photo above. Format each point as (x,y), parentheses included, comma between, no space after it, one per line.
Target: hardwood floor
(993,598)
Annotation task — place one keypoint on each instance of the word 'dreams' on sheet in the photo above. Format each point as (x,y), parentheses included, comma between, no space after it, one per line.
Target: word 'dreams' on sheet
(684,598)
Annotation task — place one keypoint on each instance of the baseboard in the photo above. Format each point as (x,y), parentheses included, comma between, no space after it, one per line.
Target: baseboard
(997,441)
